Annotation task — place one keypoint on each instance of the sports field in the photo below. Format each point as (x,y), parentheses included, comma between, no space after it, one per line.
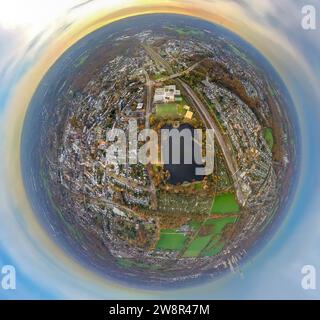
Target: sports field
(225,203)
(171,110)
(171,240)
(167,110)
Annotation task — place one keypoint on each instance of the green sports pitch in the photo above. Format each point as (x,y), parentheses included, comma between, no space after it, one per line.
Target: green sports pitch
(225,203)
(268,135)
(171,240)
(169,110)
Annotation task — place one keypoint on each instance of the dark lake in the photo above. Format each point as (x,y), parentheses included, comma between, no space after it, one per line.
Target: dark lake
(183,171)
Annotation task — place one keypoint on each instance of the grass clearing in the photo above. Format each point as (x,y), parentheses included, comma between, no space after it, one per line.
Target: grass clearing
(225,203)
(196,246)
(219,224)
(208,245)
(195,224)
(171,240)
(198,185)
(213,249)
(268,135)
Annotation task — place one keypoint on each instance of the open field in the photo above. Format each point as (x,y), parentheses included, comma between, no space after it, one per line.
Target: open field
(171,240)
(205,240)
(225,203)
(198,185)
(219,224)
(268,135)
(170,110)
(196,246)
(167,110)
(213,249)
(216,245)
(209,244)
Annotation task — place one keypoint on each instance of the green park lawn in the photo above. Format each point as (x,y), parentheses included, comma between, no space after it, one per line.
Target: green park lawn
(225,203)
(198,186)
(216,245)
(171,240)
(196,246)
(268,135)
(211,244)
(213,249)
(201,245)
(219,224)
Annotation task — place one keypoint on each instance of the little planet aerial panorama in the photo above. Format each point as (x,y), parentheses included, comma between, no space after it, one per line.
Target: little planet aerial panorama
(155,224)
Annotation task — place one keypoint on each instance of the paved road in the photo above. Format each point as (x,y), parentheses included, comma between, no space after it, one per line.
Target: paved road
(179,74)
(149,85)
(153,192)
(158,59)
(208,120)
